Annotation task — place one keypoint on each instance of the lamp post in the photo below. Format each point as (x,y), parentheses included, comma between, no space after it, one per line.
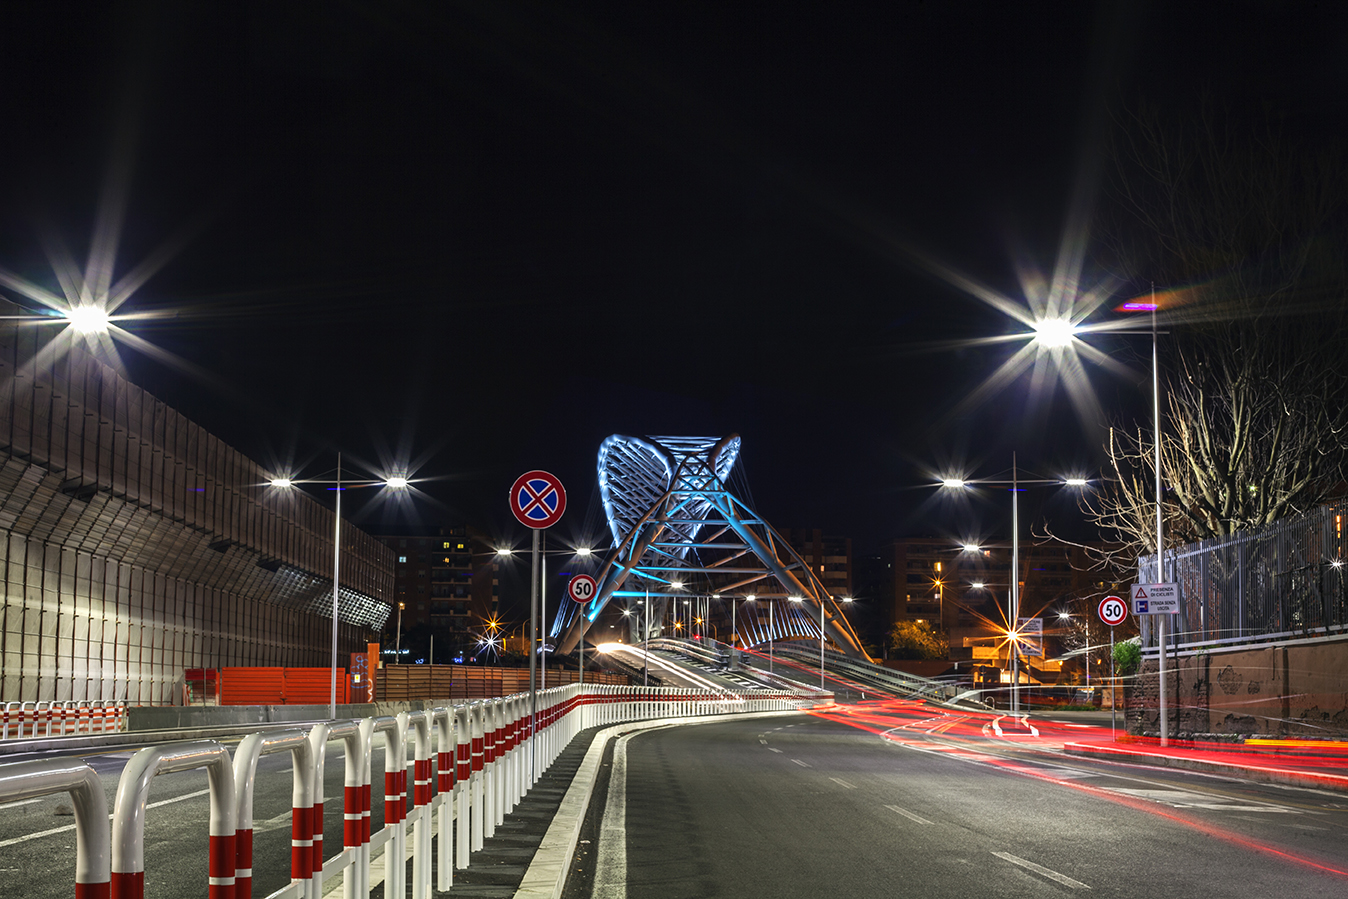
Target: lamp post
(398,640)
(1013,595)
(821,638)
(395,482)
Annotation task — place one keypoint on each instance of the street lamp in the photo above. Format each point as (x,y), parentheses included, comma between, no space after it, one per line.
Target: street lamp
(398,641)
(394,482)
(1013,597)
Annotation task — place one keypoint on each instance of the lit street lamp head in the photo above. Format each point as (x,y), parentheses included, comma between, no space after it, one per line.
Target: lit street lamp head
(1054,332)
(88,319)
(953,482)
(397,482)
(283,483)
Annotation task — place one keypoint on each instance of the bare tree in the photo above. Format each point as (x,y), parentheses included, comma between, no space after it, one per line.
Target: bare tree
(1242,231)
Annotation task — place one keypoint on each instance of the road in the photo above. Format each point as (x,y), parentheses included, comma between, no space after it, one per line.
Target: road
(895,798)
(37,837)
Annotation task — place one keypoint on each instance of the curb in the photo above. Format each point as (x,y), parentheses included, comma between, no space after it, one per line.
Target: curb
(1258,773)
(546,875)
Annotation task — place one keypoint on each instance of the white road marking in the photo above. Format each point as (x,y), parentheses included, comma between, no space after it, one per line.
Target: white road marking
(23,802)
(1187,799)
(802,764)
(764,742)
(842,783)
(909,815)
(1040,869)
(770,749)
(46,833)
(610,864)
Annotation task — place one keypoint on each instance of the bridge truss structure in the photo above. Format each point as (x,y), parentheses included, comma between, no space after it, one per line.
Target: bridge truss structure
(680,534)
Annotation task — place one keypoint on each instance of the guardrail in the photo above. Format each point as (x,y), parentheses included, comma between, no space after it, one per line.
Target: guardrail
(486,757)
(58,719)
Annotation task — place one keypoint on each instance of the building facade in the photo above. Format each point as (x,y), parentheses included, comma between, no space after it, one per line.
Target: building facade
(448,581)
(134,545)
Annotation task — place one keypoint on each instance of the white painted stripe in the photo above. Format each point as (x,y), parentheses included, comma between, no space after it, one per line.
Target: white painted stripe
(1040,869)
(610,864)
(802,764)
(770,749)
(761,740)
(55,830)
(909,815)
(842,783)
(25,802)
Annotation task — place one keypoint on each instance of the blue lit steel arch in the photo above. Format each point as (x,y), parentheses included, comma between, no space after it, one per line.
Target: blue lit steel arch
(674,519)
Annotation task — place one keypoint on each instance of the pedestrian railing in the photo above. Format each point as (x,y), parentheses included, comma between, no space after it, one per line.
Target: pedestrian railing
(26,720)
(472,763)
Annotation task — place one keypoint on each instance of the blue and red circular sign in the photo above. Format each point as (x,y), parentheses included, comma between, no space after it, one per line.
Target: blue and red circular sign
(538,499)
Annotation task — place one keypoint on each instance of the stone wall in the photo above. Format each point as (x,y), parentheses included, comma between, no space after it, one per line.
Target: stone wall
(1298,690)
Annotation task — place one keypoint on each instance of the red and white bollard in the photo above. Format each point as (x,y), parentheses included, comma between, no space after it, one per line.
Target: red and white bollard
(463,772)
(29,780)
(128,816)
(251,748)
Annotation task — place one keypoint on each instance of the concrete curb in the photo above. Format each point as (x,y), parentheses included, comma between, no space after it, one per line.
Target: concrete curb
(546,875)
(1259,773)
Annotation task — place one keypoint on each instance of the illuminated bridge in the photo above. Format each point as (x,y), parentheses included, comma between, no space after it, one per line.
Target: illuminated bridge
(681,533)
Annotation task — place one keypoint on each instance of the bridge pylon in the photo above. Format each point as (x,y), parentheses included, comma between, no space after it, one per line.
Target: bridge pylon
(680,533)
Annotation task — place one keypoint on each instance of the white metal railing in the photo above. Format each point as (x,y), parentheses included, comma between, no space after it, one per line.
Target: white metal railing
(20,720)
(473,762)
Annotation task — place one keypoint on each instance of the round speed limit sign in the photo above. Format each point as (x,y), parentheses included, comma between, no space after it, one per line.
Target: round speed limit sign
(581,588)
(1113,610)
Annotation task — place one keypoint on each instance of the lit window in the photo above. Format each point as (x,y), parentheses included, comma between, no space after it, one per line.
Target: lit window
(402,560)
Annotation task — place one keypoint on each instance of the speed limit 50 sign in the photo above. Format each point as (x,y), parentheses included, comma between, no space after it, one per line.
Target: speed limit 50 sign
(1113,610)
(581,588)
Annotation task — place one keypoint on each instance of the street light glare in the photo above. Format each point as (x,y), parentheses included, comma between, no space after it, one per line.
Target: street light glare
(505,551)
(281,482)
(1075,482)
(397,482)
(972,548)
(583,550)
(978,585)
(1054,332)
(953,482)
(677,585)
(750,598)
(88,319)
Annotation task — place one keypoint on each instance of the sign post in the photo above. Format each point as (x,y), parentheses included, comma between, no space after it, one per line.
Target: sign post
(1163,600)
(1113,612)
(581,589)
(537,500)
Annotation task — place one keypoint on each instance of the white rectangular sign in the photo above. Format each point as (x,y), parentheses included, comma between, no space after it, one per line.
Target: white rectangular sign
(1031,632)
(1156,599)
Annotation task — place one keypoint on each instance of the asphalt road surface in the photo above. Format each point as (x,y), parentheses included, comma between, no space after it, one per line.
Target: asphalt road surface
(897,799)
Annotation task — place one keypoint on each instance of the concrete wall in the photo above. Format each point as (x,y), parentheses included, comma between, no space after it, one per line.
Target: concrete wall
(1280,689)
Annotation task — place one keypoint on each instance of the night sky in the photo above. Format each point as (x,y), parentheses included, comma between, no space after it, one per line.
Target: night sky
(484,236)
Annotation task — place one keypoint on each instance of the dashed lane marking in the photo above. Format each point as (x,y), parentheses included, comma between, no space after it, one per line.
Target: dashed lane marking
(842,783)
(909,815)
(1040,869)
(802,764)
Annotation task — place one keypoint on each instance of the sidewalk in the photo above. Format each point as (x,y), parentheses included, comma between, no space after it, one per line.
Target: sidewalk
(1318,764)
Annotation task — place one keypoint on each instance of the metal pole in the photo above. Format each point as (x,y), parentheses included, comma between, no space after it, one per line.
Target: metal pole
(336,571)
(732,634)
(1113,687)
(1160,541)
(533,664)
(1015,589)
(543,618)
(398,640)
(821,646)
(646,639)
(772,607)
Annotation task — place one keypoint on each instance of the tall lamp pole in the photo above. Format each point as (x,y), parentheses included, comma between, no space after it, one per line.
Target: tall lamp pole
(397,482)
(1160,537)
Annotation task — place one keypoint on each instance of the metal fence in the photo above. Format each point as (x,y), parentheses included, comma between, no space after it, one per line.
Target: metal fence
(1281,581)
